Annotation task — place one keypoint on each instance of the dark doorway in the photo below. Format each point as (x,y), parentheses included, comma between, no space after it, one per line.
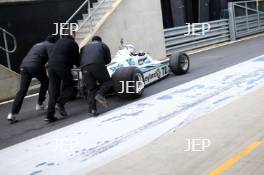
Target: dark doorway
(195,14)
(189,12)
(218,9)
(203,11)
(178,12)
(31,22)
(197,11)
(166,14)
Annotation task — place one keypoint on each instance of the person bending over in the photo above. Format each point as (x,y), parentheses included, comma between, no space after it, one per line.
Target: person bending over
(65,54)
(94,58)
(33,66)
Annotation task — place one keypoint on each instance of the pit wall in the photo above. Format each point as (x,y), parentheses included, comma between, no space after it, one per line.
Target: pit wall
(137,22)
(9,83)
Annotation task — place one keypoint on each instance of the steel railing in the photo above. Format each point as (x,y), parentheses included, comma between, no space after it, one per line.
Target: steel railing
(246,18)
(175,40)
(89,18)
(5,48)
(86,2)
(79,9)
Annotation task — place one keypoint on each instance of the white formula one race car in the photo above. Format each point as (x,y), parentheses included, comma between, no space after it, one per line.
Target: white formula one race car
(132,71)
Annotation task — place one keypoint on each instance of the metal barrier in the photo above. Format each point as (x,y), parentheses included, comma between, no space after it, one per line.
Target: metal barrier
(175,40)
(246,18)
(5,48)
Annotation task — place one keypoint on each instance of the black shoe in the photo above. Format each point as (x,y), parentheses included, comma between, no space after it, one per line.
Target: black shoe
(61,110)
(92,112)
(101,99)
(51,119)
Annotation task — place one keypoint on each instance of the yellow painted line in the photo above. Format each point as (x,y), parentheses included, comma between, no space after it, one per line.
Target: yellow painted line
(231,162)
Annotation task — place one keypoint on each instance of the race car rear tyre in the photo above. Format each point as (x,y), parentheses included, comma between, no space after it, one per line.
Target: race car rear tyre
(128,82)
(179,63)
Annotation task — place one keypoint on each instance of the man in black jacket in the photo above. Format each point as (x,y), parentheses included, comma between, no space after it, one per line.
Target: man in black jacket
(33,65)
(94,58)
(65,54)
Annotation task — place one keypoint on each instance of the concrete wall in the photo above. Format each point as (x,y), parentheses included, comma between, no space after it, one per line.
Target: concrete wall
(9,83)
(139,23)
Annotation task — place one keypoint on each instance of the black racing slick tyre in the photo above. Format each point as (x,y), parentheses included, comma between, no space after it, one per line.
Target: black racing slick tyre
(128,82)
(179,63)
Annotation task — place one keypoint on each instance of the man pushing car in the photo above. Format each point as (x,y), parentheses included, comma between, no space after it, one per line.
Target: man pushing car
(94,57)
(33,65)
(64,56)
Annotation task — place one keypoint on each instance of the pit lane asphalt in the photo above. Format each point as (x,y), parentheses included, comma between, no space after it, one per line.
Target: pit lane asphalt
(32,124)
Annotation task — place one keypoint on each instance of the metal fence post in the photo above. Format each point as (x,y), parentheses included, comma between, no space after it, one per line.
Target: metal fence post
(257,5)
(6,48)
(246,10)
(231,21)
(89,8)
(89,13)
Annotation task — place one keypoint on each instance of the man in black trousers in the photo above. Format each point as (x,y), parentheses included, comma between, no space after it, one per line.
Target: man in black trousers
(33,66)
(94,58)
(65,54)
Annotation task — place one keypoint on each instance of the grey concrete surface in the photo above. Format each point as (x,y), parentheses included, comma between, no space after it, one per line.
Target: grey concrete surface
(230,129)
(31,123)
(137,22)
(9,83)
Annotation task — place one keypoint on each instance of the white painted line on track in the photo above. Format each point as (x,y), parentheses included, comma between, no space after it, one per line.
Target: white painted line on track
(89,144)
(10,101)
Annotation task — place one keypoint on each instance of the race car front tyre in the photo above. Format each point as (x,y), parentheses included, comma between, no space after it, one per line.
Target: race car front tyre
(128,82)
(179,63)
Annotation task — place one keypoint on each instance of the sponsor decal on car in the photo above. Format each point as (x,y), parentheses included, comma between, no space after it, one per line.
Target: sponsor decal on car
(153,76)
